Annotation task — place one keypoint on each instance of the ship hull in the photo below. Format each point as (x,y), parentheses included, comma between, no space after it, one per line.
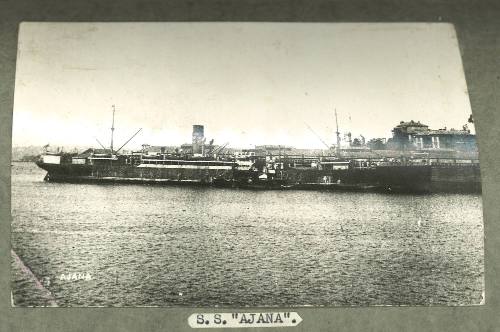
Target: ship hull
(401,179)
(110,173)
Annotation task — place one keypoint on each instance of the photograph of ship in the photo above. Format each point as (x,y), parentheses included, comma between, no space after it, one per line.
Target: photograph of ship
(244,164)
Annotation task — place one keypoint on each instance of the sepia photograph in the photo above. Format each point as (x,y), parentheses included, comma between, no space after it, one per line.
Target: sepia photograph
(244,165)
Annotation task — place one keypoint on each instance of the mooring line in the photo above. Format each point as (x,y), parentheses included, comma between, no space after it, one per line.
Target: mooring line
(31,276)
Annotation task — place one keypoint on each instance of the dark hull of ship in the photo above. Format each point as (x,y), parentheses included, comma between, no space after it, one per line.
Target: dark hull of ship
(396,179)
(401,179)
(87,173)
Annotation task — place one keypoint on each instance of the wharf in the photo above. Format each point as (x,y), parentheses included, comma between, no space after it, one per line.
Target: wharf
(25,285)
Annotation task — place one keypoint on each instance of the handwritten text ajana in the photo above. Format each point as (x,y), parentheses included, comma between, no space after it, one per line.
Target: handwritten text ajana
(75,276)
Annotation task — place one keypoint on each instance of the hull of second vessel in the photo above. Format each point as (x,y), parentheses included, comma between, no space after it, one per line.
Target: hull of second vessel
(384,178)
(456,179)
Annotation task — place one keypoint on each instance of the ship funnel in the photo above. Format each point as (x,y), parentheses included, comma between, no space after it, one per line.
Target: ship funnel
(198,139)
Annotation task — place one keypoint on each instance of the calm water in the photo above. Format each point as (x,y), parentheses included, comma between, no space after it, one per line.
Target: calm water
(180,246)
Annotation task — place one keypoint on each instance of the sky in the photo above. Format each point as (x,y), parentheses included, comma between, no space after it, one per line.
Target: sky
(247,83)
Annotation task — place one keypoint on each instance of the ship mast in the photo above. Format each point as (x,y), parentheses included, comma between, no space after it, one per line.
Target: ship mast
(338,134)
(112,129)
